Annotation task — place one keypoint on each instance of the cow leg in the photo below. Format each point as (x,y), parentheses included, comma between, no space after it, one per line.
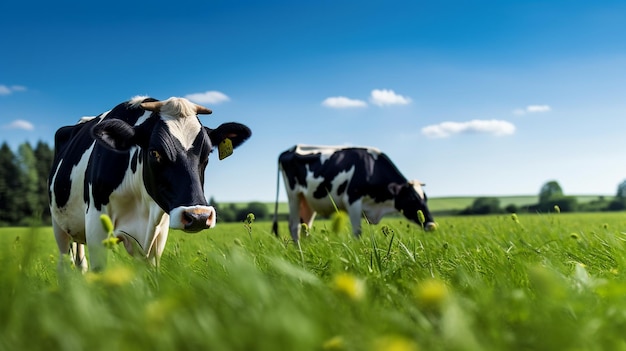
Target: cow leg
(307,215)
(95,235)
(78,256)
(294,217)
(63,243)
(158,243)
(355,212)
(75,251)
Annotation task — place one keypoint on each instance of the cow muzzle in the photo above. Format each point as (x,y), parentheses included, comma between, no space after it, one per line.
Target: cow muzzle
(192,218)
(430,226)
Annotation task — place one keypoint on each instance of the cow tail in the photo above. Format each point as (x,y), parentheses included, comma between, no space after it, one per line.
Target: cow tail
(275,224)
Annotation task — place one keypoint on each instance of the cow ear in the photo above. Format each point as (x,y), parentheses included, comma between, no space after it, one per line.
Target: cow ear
(236,132)
(114,134)
(394,188)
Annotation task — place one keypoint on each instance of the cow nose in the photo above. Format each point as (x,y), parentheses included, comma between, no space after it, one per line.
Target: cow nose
(197,219)
(430,226)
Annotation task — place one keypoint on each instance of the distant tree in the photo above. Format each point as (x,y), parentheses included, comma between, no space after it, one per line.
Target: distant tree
(619,202)
(616,205)
(228,213)
(599,204)
(621,190)
(212,201)
(551,197)
(225,213)
(259,210)
(483,205)
(564,203)
(28,201)
(511,208)
(550,190)
(9,186)
(43,162)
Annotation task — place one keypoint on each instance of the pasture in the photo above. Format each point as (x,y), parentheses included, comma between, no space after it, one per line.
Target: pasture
(508,282)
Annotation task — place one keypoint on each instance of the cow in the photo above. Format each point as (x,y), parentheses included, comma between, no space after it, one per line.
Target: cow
(359,180)
(142,163)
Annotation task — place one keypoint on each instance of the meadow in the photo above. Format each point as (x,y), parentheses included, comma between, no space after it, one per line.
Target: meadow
(508,282)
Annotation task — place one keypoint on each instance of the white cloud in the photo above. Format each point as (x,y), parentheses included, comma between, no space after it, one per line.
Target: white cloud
(538,108)
(8,90)
(20,124)
(18,88)
(343,102)
(447,129)
(208,97)
(387,97)
(532,109)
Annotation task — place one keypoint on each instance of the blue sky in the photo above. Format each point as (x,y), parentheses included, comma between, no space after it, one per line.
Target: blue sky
(473,98)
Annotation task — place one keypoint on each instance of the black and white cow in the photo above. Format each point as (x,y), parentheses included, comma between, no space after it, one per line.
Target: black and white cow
(142,164)
(359,180)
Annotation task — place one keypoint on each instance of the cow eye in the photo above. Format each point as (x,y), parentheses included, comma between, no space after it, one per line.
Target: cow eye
(155,155)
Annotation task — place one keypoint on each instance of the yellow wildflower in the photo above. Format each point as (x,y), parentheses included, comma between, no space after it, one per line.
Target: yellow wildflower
(116,276)
(349,285)
(431,293)
(394,343)
(334,343)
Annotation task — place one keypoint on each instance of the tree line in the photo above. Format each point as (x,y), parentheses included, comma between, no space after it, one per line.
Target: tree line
(24,184)
(551,199)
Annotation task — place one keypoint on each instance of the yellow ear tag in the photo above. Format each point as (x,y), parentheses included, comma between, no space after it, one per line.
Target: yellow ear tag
(225,148)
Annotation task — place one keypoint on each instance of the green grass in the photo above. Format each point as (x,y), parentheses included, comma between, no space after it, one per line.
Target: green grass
(543,282)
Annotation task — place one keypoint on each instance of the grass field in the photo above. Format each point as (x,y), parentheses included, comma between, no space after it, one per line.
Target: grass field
(527,282)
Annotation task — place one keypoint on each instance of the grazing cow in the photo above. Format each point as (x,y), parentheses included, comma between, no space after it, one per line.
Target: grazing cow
(142,164)
(359,180)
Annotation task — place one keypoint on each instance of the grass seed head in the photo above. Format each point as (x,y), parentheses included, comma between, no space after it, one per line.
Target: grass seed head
(250,218)
(386,230)
(304,229)
(107,224)
(338,221)
(420,217)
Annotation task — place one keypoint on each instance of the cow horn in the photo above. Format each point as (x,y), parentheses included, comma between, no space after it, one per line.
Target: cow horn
(201,110)
(153,106)
(415,181)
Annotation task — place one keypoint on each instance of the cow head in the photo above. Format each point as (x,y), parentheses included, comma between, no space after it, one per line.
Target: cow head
(174,149)
(409,198)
